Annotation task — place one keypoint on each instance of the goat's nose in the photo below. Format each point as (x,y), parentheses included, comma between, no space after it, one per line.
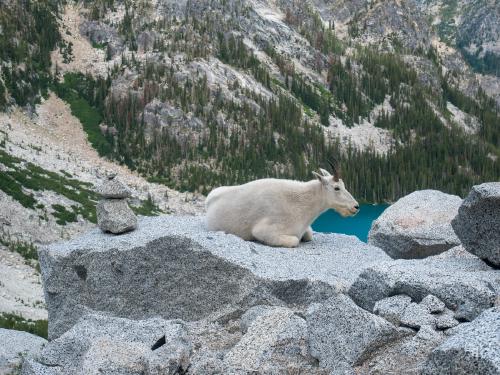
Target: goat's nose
(356,207)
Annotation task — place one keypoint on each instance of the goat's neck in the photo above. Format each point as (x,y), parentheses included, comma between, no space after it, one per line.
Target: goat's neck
(315,200)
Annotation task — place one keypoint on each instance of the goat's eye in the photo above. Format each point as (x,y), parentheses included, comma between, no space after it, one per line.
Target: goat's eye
(337,188)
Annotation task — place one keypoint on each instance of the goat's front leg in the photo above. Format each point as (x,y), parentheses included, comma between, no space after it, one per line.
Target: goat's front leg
(270,235)
(308,235)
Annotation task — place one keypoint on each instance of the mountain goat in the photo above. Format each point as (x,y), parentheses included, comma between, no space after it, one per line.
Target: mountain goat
(277,212)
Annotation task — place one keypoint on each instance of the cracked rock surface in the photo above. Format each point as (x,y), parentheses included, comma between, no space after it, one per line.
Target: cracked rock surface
(110,345)
(473,349)
(465,284)
(171,266)
(16,345)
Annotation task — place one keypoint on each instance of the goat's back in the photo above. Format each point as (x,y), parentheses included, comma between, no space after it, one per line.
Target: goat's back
(236,209)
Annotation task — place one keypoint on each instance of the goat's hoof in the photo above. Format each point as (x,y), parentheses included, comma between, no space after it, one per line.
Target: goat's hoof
(290,242)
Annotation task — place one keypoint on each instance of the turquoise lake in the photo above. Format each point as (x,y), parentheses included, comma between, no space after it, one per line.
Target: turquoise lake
(359,225)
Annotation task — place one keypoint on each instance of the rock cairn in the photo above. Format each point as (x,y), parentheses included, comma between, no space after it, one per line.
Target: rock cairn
(113,212)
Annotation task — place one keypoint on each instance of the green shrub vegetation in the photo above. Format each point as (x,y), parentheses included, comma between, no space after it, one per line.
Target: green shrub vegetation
(146,208)
(18,323)
(23,175)
(26,249)
(78,91)
(63,215)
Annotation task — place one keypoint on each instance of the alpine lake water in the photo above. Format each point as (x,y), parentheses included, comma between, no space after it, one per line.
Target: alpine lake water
(359,225)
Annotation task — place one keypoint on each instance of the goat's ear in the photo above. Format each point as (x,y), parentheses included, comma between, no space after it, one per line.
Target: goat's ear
(321,178)
(324,172)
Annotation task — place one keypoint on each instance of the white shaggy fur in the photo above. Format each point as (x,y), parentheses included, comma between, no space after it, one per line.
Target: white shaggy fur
(276,212)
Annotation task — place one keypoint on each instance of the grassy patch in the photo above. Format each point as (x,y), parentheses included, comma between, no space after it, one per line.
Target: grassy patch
(447,28)
(147,208)
(26,249)
(90,119)
(25,175)
(308,111)
(63,215)
(99,45)
(18,323)
(75,91)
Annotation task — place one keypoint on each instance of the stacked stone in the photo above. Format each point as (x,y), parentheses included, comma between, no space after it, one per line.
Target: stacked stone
(113,212)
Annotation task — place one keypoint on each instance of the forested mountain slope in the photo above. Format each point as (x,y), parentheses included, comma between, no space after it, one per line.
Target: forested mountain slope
(196,94)
(48,169)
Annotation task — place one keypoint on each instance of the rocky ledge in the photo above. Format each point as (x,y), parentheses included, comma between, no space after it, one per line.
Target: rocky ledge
(173,298)
(173,267)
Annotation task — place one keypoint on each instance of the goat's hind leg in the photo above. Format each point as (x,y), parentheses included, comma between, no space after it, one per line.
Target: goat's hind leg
(269,235)
(308,235)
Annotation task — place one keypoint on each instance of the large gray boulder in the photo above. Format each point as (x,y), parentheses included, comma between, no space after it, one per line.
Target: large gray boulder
(174,268)
(478,222)
(100,344)
(466,285)
(16,345)
(474,349)
(417,225)
(341,333)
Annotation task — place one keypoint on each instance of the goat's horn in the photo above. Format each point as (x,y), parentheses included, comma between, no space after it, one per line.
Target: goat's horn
(335,168)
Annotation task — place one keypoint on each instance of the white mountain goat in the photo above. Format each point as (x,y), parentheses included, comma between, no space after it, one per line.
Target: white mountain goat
(277,212)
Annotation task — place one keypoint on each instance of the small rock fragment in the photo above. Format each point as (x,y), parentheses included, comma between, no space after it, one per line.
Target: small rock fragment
(433,304)
(427,332)
(392,308)
(113,189)
(446,320)
(251,314)
(416,316)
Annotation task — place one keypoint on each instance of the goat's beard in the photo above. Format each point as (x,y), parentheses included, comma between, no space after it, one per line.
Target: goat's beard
(344,212)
